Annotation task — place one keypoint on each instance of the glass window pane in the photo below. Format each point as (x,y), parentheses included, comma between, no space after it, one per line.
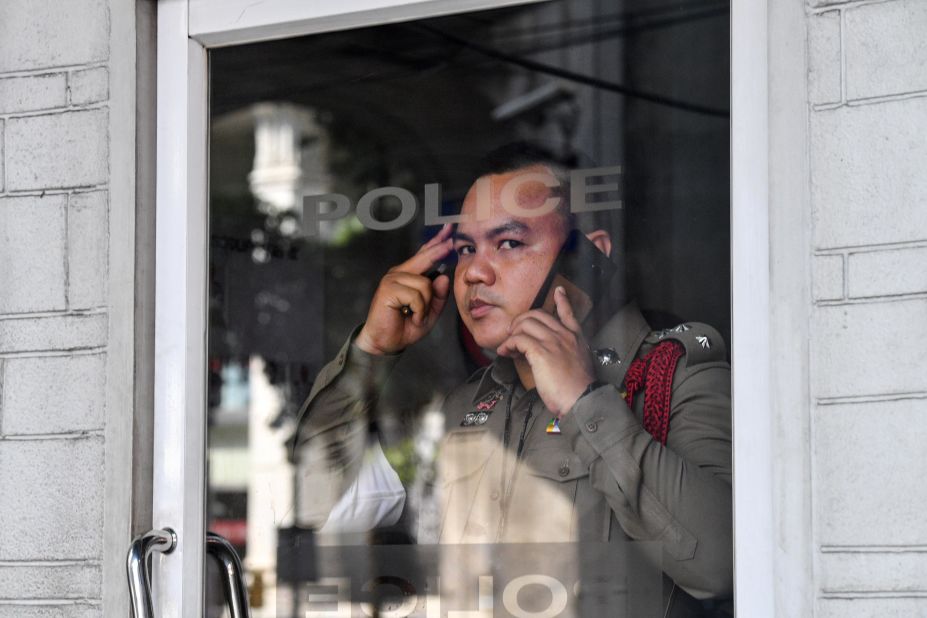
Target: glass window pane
(404,418)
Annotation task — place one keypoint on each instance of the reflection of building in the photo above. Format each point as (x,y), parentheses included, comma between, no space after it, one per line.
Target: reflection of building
(846,231)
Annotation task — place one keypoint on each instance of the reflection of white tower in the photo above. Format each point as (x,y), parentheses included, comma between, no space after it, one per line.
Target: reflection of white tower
(270,481)
(290,152)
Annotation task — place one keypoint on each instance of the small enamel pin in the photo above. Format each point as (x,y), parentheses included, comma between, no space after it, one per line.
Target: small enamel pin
(554,425)
(474,418)
(489,402)
(483,409)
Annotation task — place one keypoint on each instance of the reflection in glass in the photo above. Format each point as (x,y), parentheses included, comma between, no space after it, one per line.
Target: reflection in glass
(410,105)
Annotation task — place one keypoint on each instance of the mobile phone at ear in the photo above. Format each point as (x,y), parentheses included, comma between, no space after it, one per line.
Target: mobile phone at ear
(583,270)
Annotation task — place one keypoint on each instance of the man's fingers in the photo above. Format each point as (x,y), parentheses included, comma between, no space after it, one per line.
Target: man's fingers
(426,258)
(539,315)
(565,310)
(420,283)
(440,291)
(520,344)
(429,253)
(443,234)
(538,329)
(401,295)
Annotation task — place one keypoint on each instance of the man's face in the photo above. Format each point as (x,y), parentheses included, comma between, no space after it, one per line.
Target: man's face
(503,258)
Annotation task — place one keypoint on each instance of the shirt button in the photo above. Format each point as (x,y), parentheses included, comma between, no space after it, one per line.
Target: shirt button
(564,470)
(494,495)
(592,427)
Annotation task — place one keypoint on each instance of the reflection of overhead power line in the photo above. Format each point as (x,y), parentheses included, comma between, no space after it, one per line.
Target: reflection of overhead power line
(602,34)
(579,78)
(675,10)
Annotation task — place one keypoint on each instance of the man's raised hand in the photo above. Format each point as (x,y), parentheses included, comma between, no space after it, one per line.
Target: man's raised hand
(556,349)
(387,330)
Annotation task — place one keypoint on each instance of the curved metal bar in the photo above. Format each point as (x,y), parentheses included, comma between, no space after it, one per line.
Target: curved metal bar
(140,551)
(233,573)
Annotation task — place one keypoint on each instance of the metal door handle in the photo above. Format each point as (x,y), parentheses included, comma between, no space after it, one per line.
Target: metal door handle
(233,574)
(140,551)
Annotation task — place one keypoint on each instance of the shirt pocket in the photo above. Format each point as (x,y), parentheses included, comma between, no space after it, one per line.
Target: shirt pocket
(464,452)
(468,516)
(547,494)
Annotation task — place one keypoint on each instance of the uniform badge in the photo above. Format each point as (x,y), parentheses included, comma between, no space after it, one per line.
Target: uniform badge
(484,408)
(474,418)
(487,403)
(607,356)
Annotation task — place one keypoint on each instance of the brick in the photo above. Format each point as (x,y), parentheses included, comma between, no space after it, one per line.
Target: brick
(32,242)
(47,33)
(871,608)
(88,237)
(875,571)
(867,180)
(88,86)
(29,406)
(33,93)
(50,582)
(862,499)
(62,332)
(57,150)
(886,50)
(58,510)
(887,273)
(824,57)
(867,349)
(60,611)
(828,277)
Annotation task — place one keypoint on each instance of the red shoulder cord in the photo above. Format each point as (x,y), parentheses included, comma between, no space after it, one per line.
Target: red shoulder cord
(655,373)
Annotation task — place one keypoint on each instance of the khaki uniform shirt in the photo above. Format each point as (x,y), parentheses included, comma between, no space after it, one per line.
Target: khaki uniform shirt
(603,477)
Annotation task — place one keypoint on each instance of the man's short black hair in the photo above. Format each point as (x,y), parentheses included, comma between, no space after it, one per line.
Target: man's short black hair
(517,155)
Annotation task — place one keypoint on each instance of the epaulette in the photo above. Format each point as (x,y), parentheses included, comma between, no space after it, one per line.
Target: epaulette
(702,342)
(476,375)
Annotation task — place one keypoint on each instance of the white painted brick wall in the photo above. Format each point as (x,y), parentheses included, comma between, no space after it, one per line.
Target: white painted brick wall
(32,253)
(867,474)
(824,76)
(58,510)
(902,607)
(868,184)
(886,48)
(88,86)
(29,406)
(67,149)
(827,274)
(76,610)
(87,249)
(888,273)
(34,92)
(73,581)
(54,247)
(868,367)
(59,332)
(869,349)
(853,569)
(39,34)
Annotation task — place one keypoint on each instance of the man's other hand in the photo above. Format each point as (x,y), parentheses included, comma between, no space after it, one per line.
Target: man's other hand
(560,359)
(387,330)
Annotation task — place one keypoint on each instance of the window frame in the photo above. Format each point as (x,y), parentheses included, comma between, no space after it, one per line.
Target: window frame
(187,29)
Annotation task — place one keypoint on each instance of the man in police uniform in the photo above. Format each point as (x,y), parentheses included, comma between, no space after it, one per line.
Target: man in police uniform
(569,435)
